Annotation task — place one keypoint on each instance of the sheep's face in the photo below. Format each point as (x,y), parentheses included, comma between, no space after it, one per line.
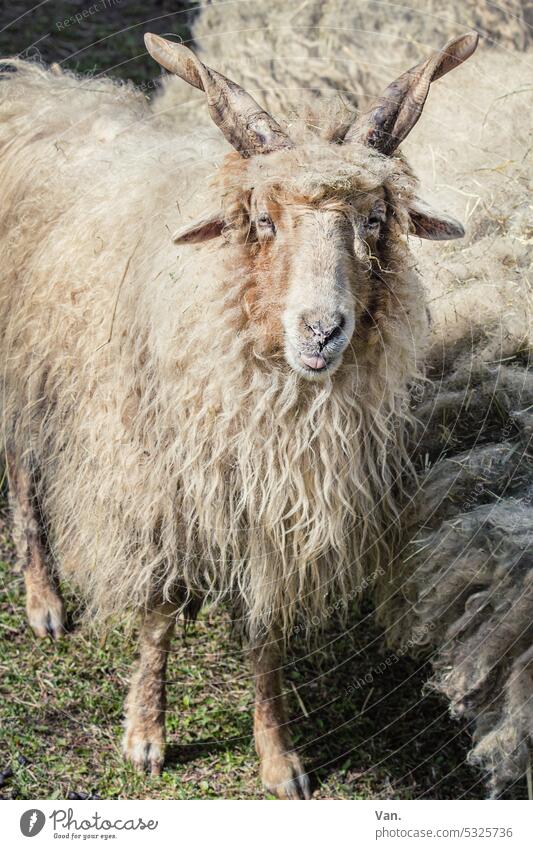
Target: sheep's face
(311,247)
(317,231)
(312,265)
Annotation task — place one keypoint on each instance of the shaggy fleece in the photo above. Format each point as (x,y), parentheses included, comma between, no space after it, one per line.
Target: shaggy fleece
(178,458)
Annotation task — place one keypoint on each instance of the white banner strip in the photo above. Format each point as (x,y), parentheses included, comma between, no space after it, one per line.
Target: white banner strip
(315,825)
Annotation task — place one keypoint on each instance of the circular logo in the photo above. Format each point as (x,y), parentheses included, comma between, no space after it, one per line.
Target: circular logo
(32,822)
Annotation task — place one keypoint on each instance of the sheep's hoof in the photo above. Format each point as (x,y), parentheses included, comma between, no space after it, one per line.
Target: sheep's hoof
(283,776)
(46,613)
(145,751)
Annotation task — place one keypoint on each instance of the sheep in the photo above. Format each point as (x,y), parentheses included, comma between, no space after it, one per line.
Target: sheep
(475,429)
(208,361)
(460,585)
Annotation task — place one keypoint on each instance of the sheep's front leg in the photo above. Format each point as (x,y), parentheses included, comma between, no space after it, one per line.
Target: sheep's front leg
(281,771)
(44,605)
(144,737)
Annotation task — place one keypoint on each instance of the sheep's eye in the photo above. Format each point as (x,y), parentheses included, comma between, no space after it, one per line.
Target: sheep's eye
(371,225)
(265,223)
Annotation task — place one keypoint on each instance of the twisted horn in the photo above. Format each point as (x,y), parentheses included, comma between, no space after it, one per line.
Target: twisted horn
(243,122)
(393,115)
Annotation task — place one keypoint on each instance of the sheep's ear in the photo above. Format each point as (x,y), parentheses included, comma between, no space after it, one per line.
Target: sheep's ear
(428,224)
(200,230)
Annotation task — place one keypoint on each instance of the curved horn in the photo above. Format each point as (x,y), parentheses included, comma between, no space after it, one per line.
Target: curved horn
(389,120)
(243,122)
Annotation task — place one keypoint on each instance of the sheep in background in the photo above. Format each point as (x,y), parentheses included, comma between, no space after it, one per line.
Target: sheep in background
(221,416)
(461,585)
(321,48)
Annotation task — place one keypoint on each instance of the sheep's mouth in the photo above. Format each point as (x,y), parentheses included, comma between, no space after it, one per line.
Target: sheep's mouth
(314,362)
(315,365)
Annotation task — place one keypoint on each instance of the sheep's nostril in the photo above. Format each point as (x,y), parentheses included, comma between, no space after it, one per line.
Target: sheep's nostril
(324,330)
(328,333)
(334,332)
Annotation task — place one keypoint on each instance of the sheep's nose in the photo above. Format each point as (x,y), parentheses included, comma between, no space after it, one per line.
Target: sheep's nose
(324,330)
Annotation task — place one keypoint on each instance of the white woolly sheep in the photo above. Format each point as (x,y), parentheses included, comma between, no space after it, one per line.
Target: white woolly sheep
(220,416)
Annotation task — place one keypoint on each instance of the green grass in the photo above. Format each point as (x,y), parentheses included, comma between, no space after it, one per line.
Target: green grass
(61,710)
(108,39)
